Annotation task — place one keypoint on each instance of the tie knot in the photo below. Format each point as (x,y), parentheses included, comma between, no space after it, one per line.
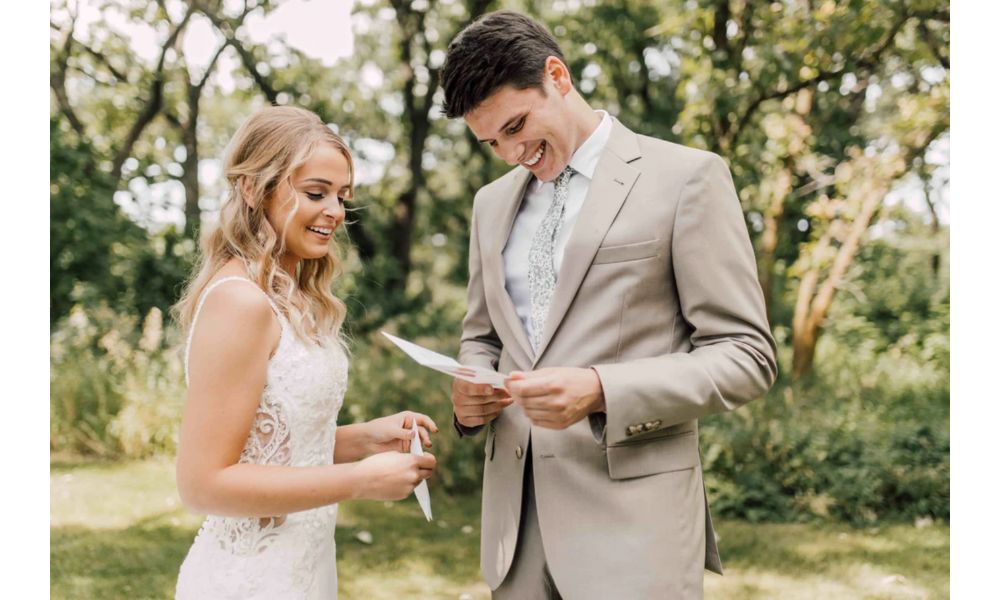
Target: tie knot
(563,178)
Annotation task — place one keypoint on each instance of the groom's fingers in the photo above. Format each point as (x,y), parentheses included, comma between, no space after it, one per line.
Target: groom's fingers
(540,402)
(477,404)
(531,387)
(540,410)
(502,400)
(469,389)
(476,421)
(484,410)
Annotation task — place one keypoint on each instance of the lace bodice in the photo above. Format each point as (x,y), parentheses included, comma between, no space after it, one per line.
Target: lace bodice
(287,556)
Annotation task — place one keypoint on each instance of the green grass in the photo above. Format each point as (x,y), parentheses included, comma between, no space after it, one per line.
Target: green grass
(119,531)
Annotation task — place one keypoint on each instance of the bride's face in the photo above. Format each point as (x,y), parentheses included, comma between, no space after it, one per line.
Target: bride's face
(319,187)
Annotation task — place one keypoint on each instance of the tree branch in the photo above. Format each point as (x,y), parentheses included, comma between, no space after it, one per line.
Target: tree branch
(57,80)
(932,44)
(101,58)
(720,25)
(153,104)
(866,62)
(211,65)
(172,118)
(246,57)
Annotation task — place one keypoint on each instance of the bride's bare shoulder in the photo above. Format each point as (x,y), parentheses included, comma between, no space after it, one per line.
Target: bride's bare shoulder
(233,302)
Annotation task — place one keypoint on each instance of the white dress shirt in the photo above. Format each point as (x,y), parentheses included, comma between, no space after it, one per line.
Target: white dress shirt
(537,197)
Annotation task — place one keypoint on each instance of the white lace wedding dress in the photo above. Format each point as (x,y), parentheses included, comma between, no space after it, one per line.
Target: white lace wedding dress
(283,557)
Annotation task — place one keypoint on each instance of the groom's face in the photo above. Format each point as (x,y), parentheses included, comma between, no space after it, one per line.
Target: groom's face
(531,127)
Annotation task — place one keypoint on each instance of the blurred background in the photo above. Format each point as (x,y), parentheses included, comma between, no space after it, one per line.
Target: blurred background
(833,117)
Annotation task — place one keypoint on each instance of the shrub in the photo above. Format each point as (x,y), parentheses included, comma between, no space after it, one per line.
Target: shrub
(116,389)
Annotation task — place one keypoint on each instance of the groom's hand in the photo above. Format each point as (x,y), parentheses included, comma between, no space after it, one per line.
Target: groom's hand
(477,404)
(557,397)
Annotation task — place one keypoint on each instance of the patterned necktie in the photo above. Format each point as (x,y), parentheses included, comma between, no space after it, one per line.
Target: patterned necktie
(541,265)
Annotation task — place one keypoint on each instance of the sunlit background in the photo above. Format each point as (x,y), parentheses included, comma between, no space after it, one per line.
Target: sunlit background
(833,117)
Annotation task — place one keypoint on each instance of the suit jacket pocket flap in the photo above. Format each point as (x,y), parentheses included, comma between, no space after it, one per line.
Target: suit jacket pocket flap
(624,252)
(658,455)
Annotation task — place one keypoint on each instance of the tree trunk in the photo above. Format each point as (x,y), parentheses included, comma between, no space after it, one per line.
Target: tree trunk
(810,311)
(935,220)
(416,117)
(782,186)
(192,193)
(153,104)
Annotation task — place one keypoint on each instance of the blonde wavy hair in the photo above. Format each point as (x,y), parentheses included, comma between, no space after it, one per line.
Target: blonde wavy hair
(263,153)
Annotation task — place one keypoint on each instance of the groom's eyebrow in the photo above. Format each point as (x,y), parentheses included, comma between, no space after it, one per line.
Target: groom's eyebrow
(505,126)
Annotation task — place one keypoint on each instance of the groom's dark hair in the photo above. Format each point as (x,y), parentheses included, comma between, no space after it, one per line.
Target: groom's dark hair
(500,48)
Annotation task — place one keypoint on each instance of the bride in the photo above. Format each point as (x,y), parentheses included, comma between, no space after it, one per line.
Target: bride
(267,372)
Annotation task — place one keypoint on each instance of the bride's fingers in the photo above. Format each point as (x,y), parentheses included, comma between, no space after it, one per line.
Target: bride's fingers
(426,421)
(405,434)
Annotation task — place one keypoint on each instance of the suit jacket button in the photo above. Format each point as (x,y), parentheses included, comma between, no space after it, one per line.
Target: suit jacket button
(518,453)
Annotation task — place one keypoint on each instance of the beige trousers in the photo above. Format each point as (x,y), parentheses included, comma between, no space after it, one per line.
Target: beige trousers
(529,577)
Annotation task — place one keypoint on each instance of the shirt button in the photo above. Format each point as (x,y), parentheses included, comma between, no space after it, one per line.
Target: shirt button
(518,453)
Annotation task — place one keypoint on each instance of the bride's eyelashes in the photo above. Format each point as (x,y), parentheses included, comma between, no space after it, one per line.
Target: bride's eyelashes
(318,196)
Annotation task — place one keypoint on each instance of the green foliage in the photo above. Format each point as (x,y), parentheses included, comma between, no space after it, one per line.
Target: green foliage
(866,437)
(97,254)
(87,232)
(819,453)
(116,389)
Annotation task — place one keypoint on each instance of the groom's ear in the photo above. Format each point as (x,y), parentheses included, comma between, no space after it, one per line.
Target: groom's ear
(558,73)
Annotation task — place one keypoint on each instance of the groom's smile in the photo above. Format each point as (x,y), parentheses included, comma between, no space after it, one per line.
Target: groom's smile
(527,127)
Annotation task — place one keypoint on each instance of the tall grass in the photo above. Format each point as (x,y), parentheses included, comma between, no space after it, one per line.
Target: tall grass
(117,388)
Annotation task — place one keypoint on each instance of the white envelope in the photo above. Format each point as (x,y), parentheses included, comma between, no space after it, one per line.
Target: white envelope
(421,492)
(446,364)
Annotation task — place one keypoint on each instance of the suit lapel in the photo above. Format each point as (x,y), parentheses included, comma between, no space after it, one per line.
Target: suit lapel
(508,201)
(612,182)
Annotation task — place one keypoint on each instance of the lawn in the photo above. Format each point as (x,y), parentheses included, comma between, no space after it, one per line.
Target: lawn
(118,530)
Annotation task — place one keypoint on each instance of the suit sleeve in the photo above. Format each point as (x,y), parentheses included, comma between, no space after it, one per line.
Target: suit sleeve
(480,345)
(732,360)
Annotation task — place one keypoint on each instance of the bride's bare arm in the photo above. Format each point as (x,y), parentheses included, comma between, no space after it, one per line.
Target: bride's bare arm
(352,443)
(385,434)
(233,339)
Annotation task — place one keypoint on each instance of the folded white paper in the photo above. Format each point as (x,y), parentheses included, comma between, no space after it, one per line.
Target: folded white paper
(423,496)
(446,364)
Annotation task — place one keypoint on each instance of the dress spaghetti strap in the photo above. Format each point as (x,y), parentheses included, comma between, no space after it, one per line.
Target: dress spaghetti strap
(201,303)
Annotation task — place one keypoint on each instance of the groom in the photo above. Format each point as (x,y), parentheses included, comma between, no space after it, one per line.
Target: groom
(611,274)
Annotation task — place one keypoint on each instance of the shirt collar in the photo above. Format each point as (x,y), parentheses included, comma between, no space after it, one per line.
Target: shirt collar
(584,160)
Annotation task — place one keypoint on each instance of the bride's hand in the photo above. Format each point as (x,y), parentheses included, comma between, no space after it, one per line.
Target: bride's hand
(393,475)
(393,433)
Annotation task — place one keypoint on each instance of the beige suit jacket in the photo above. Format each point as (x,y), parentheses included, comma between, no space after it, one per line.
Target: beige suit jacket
(658,292)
